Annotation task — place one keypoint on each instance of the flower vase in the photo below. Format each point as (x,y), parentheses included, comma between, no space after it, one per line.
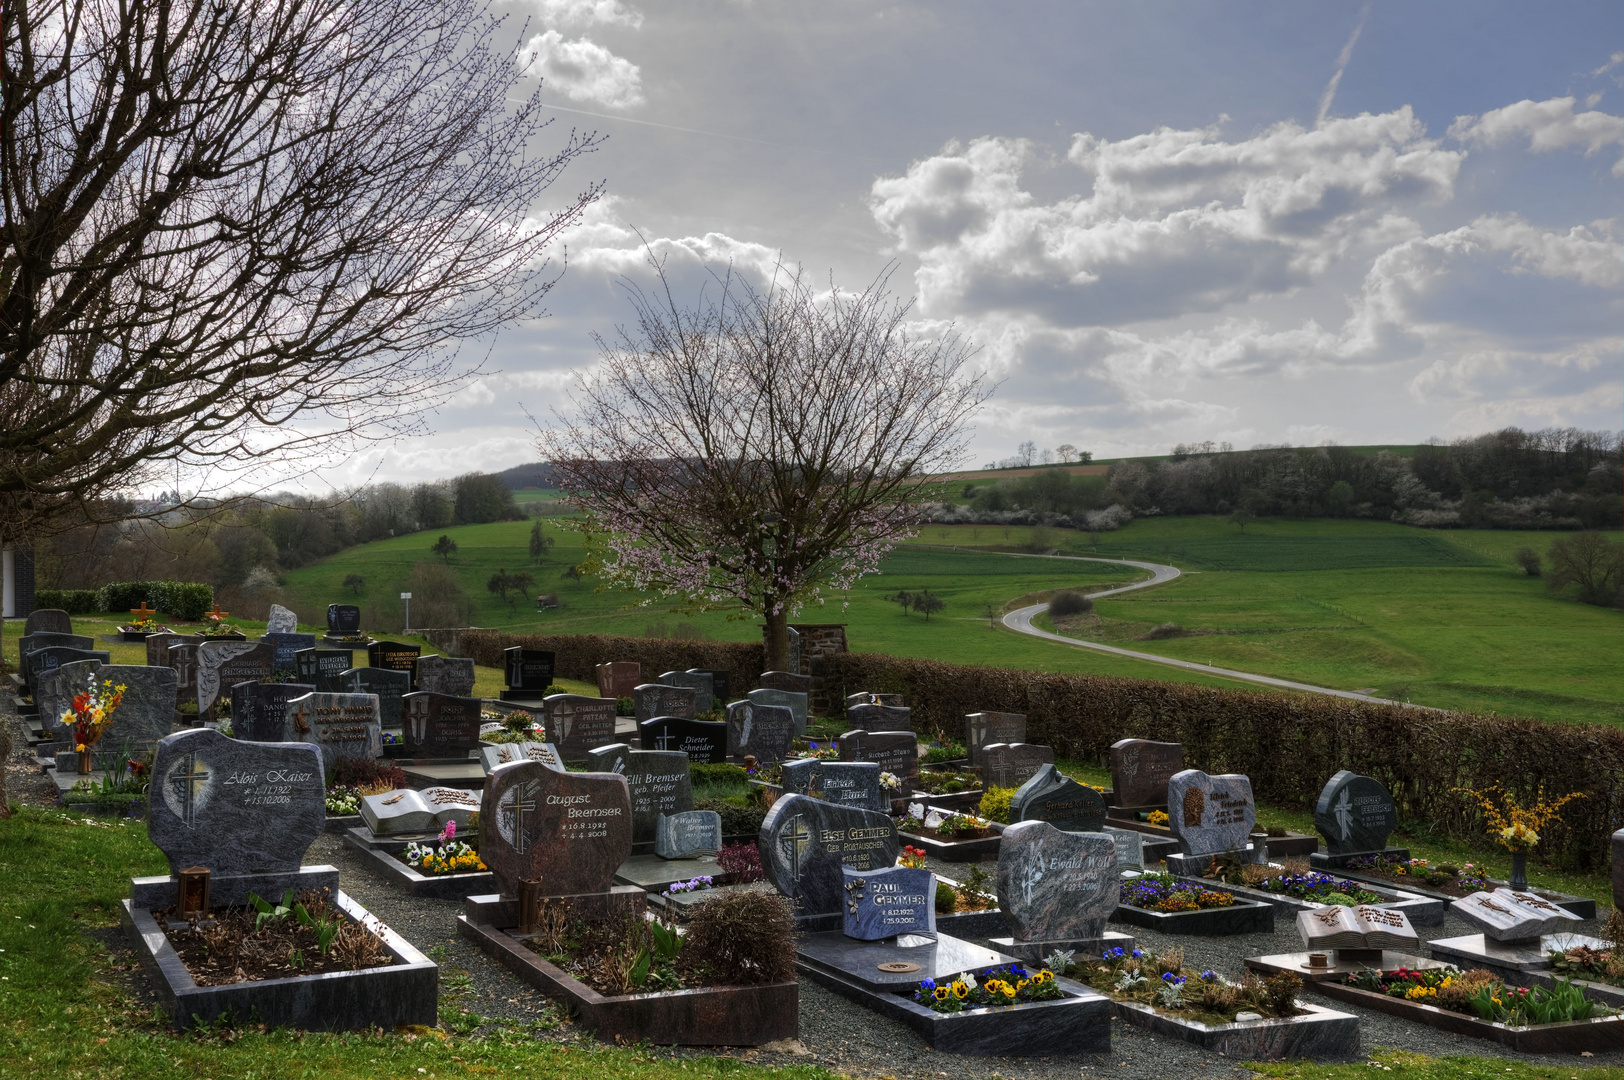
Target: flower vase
(84,762)
(1519,870)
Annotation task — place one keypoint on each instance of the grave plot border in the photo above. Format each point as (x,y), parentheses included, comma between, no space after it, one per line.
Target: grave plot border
(343,823)
(1582,906)
(406,992)
(430,886)
(950,800)
(1421,910)
(1323,1033)
(129,633)
(1288,846)
(1601,1033)
(708,1016)
(1606,993)
(1241,917)
(976,849)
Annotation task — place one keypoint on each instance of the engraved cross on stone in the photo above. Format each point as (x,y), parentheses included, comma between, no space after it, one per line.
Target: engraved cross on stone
(524,801)
(664,739)
(186,780)
(794,842)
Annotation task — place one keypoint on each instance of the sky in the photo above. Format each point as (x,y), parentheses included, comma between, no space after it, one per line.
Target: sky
(1254,223)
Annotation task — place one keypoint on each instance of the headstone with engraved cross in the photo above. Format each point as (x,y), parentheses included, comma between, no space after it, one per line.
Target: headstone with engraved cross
(804,843)
(570,831)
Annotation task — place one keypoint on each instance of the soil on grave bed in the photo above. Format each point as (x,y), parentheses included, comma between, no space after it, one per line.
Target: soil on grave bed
(1438,882)
(228,948)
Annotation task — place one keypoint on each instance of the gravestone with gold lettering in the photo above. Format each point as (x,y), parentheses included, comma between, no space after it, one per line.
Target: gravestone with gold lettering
(341,725)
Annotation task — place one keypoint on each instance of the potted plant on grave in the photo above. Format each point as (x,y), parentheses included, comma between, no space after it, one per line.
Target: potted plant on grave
(142,627)
(90,715)
(517,726)
(449,856)
(1516,827)
(353,778)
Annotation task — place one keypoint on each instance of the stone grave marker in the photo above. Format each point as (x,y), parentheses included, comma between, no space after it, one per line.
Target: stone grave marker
(285,646)
(282,621)
(341,725)
(224,664)
(848,783)
(55,690)
(687,834)
(570,831)
(882,904)
(699,683)
(48,620)
(619,678)
(1140,770)
(721,683)
(1210,814)
(323,668)
(1355,814)
(577,724)
(1054,885)
(1512,915)
(343,620)
(765,732)
(259,710)
(1013,764)
(52,657)
(393,813)
(795,703)
(527,670)
(493,754)
(1338,927)
(32,643)
(439,725)
(1061,801)
(897,752)
(983,728)
(144,716)
(390,686)
(183,659)
(1130,847)
(864,697)
(805,842)
(787,681)
(704,741)
(793,637)
(657,779)
(395,656)
(453,675)
(158,646)
(658,699)
(879,717)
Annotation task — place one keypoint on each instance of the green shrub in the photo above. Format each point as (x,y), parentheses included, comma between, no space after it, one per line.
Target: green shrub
(73,601)
(995,804)
(946,898)
(736,820)
(183,601)
(721,774)
(1069,602)
(742,939)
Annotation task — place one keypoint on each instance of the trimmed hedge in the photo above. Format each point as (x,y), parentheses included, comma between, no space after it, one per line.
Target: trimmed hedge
(578,656)
(73,601)
(184,601)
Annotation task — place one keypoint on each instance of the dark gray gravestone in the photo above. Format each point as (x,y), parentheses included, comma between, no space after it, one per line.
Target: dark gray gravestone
(48,620)
(389,685)
(1210,814)
(864,697)
(281,620)
(570,831)
(259,711)
(286,645)
(235,807)
(785,680)
(658,781)
(704,741)
(699,682)
(394,656)
(721,683)
(896,751)
(1061,801)
(658,699)
(342,725)
(527,669)
(805,842)
(687,834)
(765,732)
(343,619)
(983,728)
(618,678)
(52,657)
(323,668)
(576,724)
(1056,886)
(1355,814)
(55,690)
(438,725)
(224,664)
(1013,764)
(35,642)
(158,646)
(849,783)
(183,659)
(452,675)
(1130,848)
(795,703)
(793,638)
(145,715)
(884,903)
(493,754)
(1140,770)
(879,717)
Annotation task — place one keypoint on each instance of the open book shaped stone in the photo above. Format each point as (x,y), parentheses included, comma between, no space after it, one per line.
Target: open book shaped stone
(1362,927)
(394,813)
(1509,915)
(493,754)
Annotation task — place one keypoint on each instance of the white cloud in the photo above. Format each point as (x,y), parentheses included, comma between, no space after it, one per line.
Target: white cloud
(1549,125)
(588,13)
(583,70)
(605,243)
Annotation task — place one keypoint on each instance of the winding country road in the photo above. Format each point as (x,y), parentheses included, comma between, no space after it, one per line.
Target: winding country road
(1020,621)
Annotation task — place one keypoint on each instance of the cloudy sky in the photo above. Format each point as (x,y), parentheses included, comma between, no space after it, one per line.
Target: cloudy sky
(1162,222)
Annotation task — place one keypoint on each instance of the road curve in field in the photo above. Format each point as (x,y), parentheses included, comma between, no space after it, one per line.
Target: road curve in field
(1020,621)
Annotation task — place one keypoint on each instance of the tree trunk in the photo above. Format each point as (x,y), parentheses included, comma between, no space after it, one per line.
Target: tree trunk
(777,639)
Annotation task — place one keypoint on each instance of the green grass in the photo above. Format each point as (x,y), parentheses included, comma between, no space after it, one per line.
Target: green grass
(537,495)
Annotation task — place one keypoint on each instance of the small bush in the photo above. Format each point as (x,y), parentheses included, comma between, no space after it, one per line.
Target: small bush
(1528,559)
(995,804)
(73,601)
(946,898)
(742,939)
(1165,630)
(625,707)
(368,774)
(1069,602)
(736,820)
(743,861)
(720,774)
(183,601)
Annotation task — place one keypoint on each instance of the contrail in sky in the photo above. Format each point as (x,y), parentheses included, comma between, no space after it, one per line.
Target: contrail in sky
(688,130)
(1341,66)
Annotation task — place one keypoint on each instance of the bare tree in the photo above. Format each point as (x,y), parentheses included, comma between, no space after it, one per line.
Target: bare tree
(1592,562)
(763,445)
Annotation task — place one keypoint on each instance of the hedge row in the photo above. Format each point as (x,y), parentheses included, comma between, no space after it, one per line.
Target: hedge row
(73,601)
(184,601)
(578,656)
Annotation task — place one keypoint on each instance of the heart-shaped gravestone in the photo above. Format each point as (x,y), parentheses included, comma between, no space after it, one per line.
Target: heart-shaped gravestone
(1061,801)
(1355,814)
(883,903)
(1140,770)
(1056,886)
(1210,814)
(569,831)
(804,843)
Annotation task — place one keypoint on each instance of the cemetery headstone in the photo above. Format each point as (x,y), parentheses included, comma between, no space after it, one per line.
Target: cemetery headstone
(183,659)
(1061,801)
(48,621)
(224,664)
(286,645)
(393,813)
(885,903)
(390,687)
(864,697)
(618,678)
(1210,814)
(805,842)
(687,834)
(493,754)
(1130,847)
(570,831)
(323,668)
(699,683)
(576,724)
(1056,886)
(439,725)
(1355,814)
(343,619)
(897,752)
(879,717)
(55,690)
(395,656)
(527,672)
(794,638)
(259,711)
(704,741)
(658,699)
(849,783)
(721,683)
(145,715)
(52,657)
(787,681)
(983,728)
(795,703)
(281,621)
(341,725)
(158,647)
(1013,764)
(1140,770)
(658,781)
(1514,916)
(765,732)
(452,675)
(33,643)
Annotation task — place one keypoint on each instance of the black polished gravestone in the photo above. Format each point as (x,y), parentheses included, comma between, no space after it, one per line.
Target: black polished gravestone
(721,683)
(39,641)
(1355,814)
(439,725)
(896,751)
(395,656)
(223,664)
(879,717)
(527,673)
(343,619)
(323,668)
(805,842)
(657,779)
(342,725)
(286,645)
(259,710)
(704,741)
(660,699)
(452,675)
(984,728)
(697,681)
(388,684)
(1061,801)
(577,724)
(1010,765)
(764,732)
(848,783)
(183,658)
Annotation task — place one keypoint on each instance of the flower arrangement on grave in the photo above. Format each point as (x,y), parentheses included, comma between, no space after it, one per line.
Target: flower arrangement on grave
(146,624)
(1514,826)
(741,861)
(216,626)
(962,826)
(822,752)
(1318,888)
(517,726)
(452,856)
(1162,982)
(1461,880)
(1157,817)
(890,781)
(343,801)
(1002,986)
(1483,995)
(912,857)
(1163,892)
(91,712)
(696,884)
(122,785)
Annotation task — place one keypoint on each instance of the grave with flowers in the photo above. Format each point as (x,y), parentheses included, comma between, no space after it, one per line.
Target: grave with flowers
(425,842)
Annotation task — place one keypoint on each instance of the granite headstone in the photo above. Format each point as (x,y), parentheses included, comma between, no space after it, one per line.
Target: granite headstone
(158,646)
(527,669)
(688,833)
(849,783)
(570,831)
(699,682)
(52,657)
(576,724)
(659,699)
(48,621)
(323,668)
(259,710)
(1054,885)
(439,725)
(765,732)
(618,678)
(145,714)
(1052,796)
(897,752)
(879,717)
(453,675)
(281,621)
(1140,770)
(1130,847)
(343,619)
(795,703)
(658,781)
(342,725)
(721,683)
(704,741)
(983,728)
(1355,814)
(286,646)
(390,686)
(884,903)
(1210,815)
(223,664)
(805,842)
(786,681)
(182,658)
(395,656)
(1013,764)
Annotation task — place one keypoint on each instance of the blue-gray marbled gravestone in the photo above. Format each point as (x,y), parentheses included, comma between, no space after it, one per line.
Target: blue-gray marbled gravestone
(1013,764)
(1056,886)
(1058,799)
(688,833)
(721,683)
(342,725)
(884,903)
(984,728)
(439,725)
(570,831)
(389,685)
(765,732)
(659,699)
(286,645)
(452,675)
(259,711)
(31,643)
(48,621)
(323,668)
(849,783)
(804,843)
(658,780)
(1355,814)
(795,703)
(223,664)
(704,741)
(576,724)
(282,621)
(235,807)
(879,717)
(699,682)
(343,619)
(896,751)
(52,657)
(1210,814)
(1140,770)
(493,754)
(144,715)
